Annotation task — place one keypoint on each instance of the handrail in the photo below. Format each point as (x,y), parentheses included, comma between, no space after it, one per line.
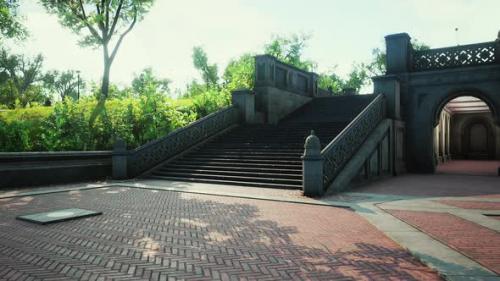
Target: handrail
(457,56)
(151,154)
(346,143)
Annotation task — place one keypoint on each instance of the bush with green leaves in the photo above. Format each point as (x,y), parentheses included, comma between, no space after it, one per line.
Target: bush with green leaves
(66,127)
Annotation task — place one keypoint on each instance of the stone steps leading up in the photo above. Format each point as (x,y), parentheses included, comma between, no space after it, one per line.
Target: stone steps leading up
(263,155)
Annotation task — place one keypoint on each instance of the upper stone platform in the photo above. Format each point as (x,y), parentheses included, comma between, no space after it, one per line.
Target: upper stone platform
(401,57)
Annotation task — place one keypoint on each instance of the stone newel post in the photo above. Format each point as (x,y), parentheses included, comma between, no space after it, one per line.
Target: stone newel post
(312,167)
(398,53)
(119,161)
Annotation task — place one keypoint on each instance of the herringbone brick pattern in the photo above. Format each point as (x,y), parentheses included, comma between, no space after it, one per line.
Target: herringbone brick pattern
(151,235)
(475,241)
(479,205)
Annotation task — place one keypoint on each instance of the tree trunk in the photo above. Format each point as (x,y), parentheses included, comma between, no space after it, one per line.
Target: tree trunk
(105,79)
(104,87)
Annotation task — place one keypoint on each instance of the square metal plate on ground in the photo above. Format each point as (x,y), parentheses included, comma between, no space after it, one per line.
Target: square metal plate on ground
(58,215)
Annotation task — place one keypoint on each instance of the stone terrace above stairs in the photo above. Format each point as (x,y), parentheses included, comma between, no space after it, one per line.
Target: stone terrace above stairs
(264,155)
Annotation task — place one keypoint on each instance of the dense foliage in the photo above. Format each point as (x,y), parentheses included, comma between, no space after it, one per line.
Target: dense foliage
(10,24)
(65,126)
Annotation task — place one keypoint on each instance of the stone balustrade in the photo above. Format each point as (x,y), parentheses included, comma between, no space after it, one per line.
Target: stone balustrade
(401,57)
(153,153)
(270,72)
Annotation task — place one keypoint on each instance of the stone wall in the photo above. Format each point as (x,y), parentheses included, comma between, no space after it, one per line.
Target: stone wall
(460,127)
(422,95)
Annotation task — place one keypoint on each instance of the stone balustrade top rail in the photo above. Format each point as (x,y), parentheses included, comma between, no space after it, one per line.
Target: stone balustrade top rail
(457,56)
(269,71)
(344,145)
(153,153)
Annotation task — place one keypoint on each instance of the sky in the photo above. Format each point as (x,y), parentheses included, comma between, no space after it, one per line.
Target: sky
(343,33)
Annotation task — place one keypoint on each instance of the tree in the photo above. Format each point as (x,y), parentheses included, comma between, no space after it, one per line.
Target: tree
(10,25)
(331,82)
(98,22)
(208,71)
(239,73)
(356,79)
(19,78)
(377,66)
(65,83)
(289,50)
(147,81)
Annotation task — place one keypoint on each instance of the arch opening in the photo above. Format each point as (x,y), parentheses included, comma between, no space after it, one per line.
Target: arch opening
(466,138)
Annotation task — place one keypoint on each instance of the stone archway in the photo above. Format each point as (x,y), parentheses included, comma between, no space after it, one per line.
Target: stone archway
(418,84)
(424,111)
(478,140)
(455,93)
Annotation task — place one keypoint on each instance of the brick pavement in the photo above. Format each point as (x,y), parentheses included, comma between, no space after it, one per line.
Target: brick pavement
(477,242)
(469,167)
(439,185)
(479,205)
(162,235)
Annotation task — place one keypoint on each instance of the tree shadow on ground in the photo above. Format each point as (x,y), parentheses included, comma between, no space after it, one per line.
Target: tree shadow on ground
(148,234)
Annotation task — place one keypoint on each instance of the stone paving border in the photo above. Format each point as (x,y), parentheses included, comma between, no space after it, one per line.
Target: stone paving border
(452,264)
(477,205)
(457,233)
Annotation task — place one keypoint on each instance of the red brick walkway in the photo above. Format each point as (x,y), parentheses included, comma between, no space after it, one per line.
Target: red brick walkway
(469,167)
(147,235)
(479,205)
(475,241)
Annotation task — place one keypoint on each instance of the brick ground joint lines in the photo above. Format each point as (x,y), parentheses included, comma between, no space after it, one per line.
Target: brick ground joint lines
(160,235)
(472,240)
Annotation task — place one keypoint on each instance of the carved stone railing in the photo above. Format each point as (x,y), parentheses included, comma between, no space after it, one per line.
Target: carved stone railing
(342,148)
(153,153)
(459,56)
(270,72)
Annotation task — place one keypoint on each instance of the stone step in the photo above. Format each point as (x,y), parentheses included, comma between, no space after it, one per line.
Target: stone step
(197,158)
(238,164)
(245,152)
(242,157)
(244,168)
(229,182)
(216,176)
(256,150)
(170,170)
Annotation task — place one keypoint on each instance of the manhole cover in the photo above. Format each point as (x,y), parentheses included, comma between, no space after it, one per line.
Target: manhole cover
(58,216)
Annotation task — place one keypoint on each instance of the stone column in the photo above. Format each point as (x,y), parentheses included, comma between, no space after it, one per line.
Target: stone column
(389,86)
(443,137)
(312,167)
(119,160)
(448,137)
(264,71)
(399,51)
(245,101)
(436,144)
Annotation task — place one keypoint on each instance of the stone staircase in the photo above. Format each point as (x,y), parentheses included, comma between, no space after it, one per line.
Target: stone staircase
(264,155)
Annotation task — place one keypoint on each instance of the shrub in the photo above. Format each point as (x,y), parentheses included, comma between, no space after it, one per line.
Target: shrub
(65,126)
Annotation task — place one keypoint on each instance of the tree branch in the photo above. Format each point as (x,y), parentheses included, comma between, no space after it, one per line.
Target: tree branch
(116,18)
(84,18)
(115,50)
(105,6)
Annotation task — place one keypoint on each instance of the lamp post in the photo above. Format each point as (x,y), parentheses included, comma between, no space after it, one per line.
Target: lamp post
(78,85)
